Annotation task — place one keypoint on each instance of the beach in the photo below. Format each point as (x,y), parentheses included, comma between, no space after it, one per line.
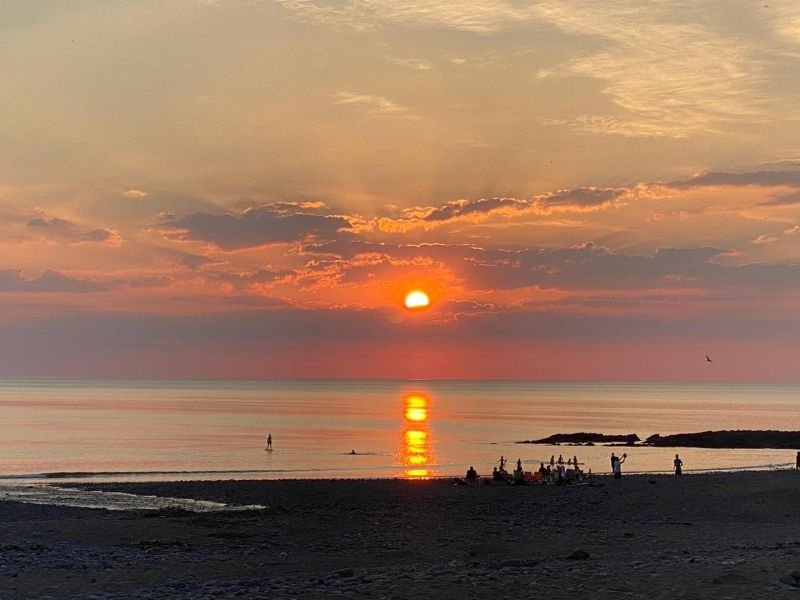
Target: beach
(722,535)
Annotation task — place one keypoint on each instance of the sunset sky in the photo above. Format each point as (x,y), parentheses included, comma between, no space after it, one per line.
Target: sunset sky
(222,188)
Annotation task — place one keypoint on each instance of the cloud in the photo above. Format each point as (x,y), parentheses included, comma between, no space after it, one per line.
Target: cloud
(638,51)
(669,215)
(792,199)
(290,207)
(479,16)
(585,198)
(44,222)
(460,208)
(195,262)
(99,236)
(766,238)
(256,280)
(52,281)
(49,282)
(135,194)
(755,178)
(575,200)
(65,230)
(646,70)
(376,106)
(417,64)
(258,226)
(607,125)
(576,269)
(780,180)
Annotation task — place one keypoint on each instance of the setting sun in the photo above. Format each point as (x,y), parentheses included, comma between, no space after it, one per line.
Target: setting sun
(417,299)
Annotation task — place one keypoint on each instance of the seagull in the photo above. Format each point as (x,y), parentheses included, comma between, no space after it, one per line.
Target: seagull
(708,359)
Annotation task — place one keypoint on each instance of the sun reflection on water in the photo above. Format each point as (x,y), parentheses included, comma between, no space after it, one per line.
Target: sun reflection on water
(415,450)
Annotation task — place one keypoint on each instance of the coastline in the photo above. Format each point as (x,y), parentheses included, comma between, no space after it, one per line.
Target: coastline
(647,536)
(86,478)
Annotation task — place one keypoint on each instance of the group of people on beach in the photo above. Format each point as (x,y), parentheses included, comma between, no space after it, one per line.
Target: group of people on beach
(557,472)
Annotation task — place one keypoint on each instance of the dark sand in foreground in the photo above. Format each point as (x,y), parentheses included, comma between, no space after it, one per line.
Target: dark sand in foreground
(704,536)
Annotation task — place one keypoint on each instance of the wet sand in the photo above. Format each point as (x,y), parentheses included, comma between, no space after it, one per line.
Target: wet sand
(733,535)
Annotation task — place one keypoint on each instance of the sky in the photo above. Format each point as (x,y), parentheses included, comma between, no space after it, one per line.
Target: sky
(217,188)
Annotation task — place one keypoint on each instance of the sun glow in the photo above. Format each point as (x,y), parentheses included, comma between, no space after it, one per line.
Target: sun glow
(416,414)
(416,448)
(417,300)
(416,408)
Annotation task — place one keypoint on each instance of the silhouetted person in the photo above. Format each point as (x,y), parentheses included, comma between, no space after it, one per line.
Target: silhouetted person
(269,441)
(542,471)
(497,475)
(472,475)
(352,451)
(614,459)
(519,474)
(617,465)
(678,464)
(797,461)
(502,462)
(552,459)
(575,460)
(562,474)
(560,459)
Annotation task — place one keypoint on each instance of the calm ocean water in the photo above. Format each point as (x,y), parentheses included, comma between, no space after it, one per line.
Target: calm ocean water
(135,430)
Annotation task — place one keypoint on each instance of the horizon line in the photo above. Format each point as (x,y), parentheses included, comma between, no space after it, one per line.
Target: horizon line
(4,378)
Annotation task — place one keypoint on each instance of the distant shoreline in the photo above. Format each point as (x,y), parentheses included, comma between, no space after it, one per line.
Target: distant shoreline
(740,439)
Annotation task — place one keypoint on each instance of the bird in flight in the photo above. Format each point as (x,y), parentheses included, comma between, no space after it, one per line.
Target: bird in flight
(708,359)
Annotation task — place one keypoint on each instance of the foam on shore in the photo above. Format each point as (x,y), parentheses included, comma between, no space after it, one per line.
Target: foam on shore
(79,498)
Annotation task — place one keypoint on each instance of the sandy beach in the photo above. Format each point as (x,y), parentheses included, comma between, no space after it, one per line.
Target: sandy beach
(733,535)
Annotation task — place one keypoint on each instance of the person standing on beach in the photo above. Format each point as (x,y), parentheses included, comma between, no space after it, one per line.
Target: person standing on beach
(617,465)
(553,459)
(614,459)
(678,464)
(269,441)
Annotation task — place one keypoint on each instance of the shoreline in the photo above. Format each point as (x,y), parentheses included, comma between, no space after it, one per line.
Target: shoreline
(99,477)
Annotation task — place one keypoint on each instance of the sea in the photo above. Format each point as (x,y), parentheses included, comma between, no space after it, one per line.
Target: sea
(59,430)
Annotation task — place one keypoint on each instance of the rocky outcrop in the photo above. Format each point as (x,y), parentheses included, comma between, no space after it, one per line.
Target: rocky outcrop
(729,439)
(585,438)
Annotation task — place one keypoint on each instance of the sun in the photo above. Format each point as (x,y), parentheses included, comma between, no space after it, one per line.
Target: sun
(417,300)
